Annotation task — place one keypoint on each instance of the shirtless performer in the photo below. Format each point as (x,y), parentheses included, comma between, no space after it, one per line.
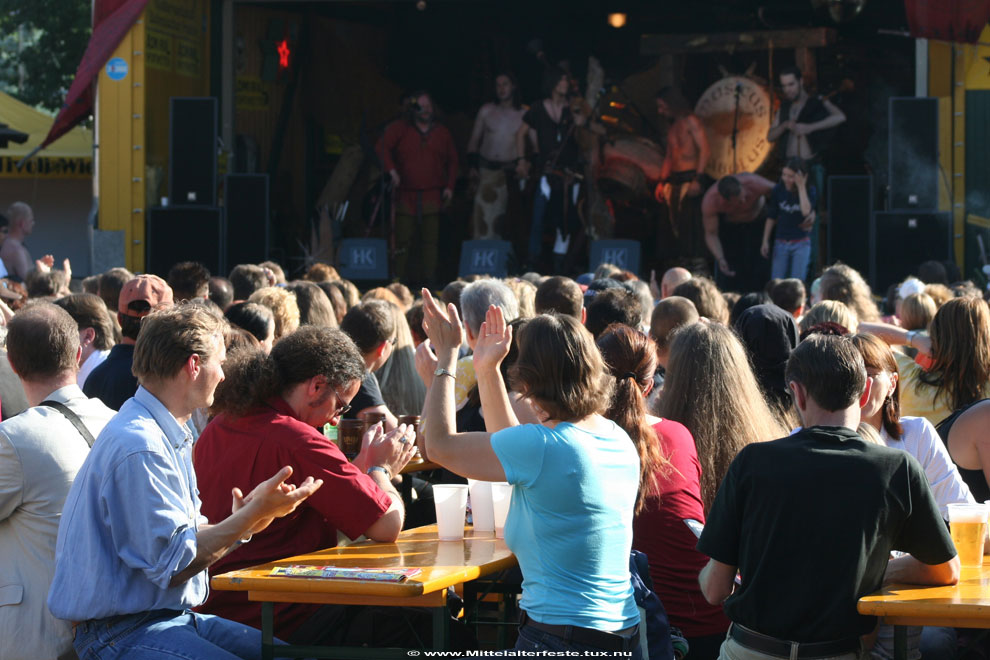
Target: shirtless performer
(732,212)
(16,258)
(491,155)
(681,178)
(802,116)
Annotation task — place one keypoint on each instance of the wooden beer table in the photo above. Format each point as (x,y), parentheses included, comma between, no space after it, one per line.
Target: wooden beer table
(443,564)
(962,605)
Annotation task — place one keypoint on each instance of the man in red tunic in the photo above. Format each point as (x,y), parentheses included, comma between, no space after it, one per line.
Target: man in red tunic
(420,156)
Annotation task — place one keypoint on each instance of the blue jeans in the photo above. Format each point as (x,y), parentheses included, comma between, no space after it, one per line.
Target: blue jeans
(531,639)
(791,259)
(162,634)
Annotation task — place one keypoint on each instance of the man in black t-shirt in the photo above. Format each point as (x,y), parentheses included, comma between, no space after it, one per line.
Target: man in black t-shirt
(809,521)
(371,326)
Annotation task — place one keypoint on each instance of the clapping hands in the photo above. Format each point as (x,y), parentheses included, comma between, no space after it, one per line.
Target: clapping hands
(494,341)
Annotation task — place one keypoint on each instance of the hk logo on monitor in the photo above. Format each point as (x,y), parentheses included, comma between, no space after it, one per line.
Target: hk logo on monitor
(484,260)
(617,256)
(363,258)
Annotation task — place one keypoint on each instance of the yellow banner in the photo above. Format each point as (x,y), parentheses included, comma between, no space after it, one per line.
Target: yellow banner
(51,168)
(188,58)
(159,50)
(251,93)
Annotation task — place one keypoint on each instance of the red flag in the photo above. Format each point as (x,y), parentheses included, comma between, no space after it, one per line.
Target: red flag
(111,21)
(947,20)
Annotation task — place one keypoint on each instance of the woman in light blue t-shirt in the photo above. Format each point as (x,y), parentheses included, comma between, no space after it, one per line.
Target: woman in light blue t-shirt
(575,475)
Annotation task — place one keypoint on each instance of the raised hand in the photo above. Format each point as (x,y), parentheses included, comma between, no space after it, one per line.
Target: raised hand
(494,341)
(443,327)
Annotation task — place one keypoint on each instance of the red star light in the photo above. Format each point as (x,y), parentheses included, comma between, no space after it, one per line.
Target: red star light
(283,54)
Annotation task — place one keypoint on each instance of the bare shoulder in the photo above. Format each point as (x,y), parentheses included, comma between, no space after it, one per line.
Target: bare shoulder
(711,202)
(485,110)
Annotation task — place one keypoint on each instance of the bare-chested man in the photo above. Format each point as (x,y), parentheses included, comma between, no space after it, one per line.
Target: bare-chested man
(681,178)
(492,156)
(733,212)
(802,117)
(16,258)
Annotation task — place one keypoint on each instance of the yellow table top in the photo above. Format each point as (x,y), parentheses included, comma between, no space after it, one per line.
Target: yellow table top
(419,465)
(963,605)
(443,564)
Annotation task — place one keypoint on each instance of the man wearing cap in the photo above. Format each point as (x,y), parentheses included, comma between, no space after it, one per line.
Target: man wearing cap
(133,547)
(41,450)
(112,382)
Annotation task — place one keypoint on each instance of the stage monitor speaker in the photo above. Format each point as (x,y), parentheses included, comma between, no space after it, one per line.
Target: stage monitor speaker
(246,208)
(184,233)
(192,151)
(913,153)
(904,239)
(363,259)
(850,212)
(484,257)
(620,252)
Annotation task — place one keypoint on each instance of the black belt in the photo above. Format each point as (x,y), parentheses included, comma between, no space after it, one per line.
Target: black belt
(781,648)
(627,641)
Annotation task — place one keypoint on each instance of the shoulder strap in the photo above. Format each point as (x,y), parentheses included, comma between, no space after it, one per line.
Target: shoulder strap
(73,418)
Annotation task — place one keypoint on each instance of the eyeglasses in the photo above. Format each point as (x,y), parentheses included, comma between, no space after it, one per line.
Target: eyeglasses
(344,408)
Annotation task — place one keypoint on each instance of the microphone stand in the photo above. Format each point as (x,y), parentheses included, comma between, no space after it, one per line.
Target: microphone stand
(735,129)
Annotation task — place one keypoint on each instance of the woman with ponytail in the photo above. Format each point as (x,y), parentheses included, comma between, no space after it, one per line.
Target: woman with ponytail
(670,491)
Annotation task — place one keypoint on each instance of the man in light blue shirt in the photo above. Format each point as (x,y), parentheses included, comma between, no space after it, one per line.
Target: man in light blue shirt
(133,548)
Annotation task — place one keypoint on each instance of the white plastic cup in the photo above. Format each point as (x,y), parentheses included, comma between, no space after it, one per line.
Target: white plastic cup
(968,528)
(451,504)
(501,498)
(482,513)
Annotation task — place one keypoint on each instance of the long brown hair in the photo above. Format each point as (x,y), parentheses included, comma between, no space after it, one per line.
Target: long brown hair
(560,369)
(878,357)
(631,358)
(845,284)
(960,335)
(710,388)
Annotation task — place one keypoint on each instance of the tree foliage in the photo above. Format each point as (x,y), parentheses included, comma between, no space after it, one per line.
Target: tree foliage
(41,43)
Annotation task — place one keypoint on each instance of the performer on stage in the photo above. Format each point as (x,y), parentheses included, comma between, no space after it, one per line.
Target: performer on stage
(792,211)
(491,154)
(804,122)
(803,118)
(731,212)
(557,160)
(420,156)
(681,180)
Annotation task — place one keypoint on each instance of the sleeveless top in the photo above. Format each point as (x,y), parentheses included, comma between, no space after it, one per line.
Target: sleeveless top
(975,479)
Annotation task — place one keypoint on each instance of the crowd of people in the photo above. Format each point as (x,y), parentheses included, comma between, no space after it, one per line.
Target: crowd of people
(767,450)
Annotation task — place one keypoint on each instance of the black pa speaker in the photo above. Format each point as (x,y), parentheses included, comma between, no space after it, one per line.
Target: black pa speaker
(904,239)
(246,208)
(850,213)
(913,153)
(184,233)
(192,151)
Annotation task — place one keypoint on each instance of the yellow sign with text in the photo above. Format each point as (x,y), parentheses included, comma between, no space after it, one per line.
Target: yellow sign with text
(47,168)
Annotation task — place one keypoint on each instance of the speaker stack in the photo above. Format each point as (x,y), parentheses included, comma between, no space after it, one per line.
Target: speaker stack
(912,229)
(191,227)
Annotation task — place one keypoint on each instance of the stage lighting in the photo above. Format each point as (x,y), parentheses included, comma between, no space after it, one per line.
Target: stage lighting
(617,20)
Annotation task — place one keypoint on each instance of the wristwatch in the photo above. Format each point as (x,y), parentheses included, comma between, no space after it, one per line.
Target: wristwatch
(443,372)
(380,468)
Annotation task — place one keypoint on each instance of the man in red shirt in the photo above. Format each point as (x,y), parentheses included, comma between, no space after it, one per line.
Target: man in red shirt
(420,156)
(272,410)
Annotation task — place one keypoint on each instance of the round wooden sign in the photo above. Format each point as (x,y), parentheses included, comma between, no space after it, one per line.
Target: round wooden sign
(717,109)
